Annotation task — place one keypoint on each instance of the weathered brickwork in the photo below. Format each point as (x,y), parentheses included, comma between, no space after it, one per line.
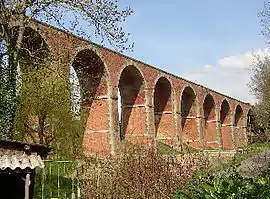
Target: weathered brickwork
(155,105)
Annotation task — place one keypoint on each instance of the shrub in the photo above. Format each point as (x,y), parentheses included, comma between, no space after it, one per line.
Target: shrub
(138,173)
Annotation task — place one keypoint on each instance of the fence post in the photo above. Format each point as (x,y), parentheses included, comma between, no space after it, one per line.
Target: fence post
(27,185)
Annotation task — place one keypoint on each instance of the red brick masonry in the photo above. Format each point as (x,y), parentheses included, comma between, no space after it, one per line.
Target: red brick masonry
(156,105)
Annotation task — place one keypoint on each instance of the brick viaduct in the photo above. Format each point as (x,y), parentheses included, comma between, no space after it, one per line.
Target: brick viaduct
(156,105)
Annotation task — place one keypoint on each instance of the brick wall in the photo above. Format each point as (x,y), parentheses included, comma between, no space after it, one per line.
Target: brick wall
(155,105)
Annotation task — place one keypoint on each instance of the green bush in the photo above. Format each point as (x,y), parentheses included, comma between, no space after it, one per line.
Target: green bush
(230,186)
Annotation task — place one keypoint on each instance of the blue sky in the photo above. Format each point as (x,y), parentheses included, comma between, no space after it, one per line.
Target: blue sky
(210,42)
(192,33)
(185,37)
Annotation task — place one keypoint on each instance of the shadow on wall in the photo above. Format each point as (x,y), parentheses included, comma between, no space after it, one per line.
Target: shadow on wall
(162,106)
(131,89)
(188,115)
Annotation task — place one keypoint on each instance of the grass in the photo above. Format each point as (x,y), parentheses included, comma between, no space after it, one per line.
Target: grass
(165,149)
(47,180)
(189,149)
(253,149)
(260,145)
(235,161)
(227,149)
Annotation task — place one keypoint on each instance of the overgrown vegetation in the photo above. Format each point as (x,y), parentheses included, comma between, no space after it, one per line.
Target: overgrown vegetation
(44,115)
(138,173)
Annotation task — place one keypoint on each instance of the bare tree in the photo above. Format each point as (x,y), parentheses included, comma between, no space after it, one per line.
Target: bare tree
(264,16)
(103,16)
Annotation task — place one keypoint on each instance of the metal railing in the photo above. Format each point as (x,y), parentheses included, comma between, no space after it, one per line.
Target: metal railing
(57,180)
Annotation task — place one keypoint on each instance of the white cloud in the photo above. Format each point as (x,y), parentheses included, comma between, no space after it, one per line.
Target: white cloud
(230,75)
(242,60)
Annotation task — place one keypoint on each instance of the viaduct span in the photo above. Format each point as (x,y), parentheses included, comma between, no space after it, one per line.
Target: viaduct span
(156,105)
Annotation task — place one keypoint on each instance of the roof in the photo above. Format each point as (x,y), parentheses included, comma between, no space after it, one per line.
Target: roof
(41,150)
(20,161)
(21,155)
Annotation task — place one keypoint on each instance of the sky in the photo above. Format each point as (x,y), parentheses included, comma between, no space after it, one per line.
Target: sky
(211,42)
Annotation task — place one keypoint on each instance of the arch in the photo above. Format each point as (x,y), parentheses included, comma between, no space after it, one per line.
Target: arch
(188,102)
(209,108)
(33,27)
(95,102)
(238,116)
(239,127)
(188,114)
(224,112)
(250,121)
(132,92)
(44,82)
(43,34)
(34,51)
(92,75)
(225,127)
(210,132)
(163,108)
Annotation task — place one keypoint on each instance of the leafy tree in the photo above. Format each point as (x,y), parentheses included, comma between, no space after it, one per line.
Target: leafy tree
(260,87)
(44,114)
(104,17)
(260,80)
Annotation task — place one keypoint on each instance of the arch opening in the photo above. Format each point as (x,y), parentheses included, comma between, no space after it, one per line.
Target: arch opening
(92,76)
(225,122)
(250,121)
(210,132)
(34,50)
(188,117)
(163,108)
(209,108)
(238,116)
(224,112)
(133,115)
(188,105)
(239,127)
(34,55)
(90,92)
